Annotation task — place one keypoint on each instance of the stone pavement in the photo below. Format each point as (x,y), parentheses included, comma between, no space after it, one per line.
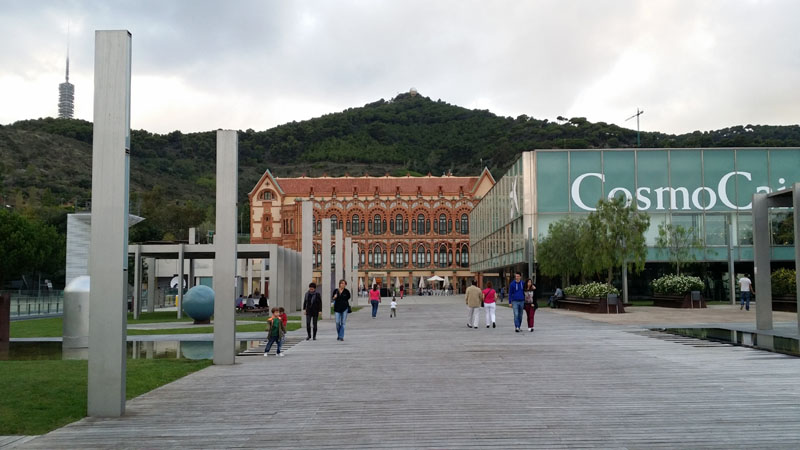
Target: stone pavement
(424,380)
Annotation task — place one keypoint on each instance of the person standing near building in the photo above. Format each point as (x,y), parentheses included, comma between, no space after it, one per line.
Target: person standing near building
(375,299)
(530,302)
(516,298)
(312,305)
(341,306)
(393,305)
(746,286)
(473,297)
(489,304)
(402,290)
(275,332)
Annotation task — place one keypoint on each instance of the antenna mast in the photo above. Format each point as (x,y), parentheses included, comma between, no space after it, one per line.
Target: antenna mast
(638,113)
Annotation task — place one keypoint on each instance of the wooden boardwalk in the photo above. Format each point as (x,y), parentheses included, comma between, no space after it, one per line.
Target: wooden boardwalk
(424,380)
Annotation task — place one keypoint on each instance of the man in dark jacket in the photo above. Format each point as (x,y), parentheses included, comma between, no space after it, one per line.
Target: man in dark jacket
(312,305)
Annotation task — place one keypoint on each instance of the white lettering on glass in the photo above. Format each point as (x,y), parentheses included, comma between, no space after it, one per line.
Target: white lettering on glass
(576,190)
(722,191)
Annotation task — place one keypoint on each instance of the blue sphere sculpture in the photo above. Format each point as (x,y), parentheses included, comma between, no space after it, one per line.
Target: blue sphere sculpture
(198,303)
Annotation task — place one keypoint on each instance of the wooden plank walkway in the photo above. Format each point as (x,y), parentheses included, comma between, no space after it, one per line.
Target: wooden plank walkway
(424,380)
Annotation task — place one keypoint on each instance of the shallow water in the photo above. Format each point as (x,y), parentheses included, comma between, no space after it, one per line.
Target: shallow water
(20,351)
(789,346)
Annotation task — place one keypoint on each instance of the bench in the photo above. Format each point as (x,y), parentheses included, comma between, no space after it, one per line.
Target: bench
(595,305)
(689,300)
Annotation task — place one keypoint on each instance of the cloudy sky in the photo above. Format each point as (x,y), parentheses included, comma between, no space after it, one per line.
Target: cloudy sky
(202,65)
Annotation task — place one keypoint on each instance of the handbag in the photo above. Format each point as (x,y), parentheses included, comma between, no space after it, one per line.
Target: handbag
(482,305)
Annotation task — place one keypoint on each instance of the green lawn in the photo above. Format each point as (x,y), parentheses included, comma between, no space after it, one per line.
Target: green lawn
(158,316)
(52,327)
(39,396)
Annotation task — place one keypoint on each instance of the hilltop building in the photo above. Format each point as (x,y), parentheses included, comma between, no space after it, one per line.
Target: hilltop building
(66,97)
(407,228)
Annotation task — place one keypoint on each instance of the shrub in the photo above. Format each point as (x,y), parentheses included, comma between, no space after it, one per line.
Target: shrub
(784,282)
(676,284)
(590,290)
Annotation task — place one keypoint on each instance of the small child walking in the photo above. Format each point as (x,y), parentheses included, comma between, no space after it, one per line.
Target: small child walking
(276,330)
(285,320)
(393,305)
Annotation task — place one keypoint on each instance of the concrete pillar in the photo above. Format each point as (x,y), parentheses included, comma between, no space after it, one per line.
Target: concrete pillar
(796,205)
(192,241)
(326,284)
(307,249)
(225,247)
(151,285)
(263,276)
(762,253)
(108,255)
(137,281)
(179,298)
(341,253)
(249,263)
(297,287)
(348,263)
(272,274)
(280,281)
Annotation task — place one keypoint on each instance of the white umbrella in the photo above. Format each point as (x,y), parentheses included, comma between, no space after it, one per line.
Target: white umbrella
(446,281)
(397,283)
(421,282)
(373,283)
(436,278)
(360,283)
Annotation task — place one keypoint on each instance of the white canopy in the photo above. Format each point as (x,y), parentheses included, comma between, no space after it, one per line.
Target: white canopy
(360,283)
(436,278)
(446,281)
(421,282)
(397,282)
(373,283)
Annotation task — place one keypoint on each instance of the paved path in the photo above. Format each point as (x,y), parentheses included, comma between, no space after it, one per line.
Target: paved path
(424,380)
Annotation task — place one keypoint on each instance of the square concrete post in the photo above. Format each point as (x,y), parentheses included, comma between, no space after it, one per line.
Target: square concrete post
(137,281)
(762,254)
(326,272)
(151,285)
(249,263)
(348,263)
(225,247)
(263,278)
(796,204)
(354,276)
(341,253)
(108,254)
(272,274)
(179,298)
(192,241)
(280,281)
(307,249)
(297,287)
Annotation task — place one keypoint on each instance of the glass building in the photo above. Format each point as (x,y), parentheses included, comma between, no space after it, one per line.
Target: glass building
(709,190)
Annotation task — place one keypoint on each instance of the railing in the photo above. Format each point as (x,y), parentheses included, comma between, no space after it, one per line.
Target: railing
(34,303)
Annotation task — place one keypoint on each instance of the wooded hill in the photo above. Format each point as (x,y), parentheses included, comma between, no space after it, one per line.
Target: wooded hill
(45,164)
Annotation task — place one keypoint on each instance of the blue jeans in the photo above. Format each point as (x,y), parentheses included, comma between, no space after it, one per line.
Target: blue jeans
(518,306)
(375,304)
(273,339)
(746,300)
(341,319)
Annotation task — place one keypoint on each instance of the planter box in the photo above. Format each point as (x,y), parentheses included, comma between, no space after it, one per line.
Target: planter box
(591,305)
(677,301)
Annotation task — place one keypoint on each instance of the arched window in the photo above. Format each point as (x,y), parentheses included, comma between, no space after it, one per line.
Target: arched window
(464,224)
(354,221)
(420,224)
(319,227)
(291,226)
(379,256)
(397,257)
(266,195)
(442,224)
(334,222)
(419,259)
(464,255)
(398,224)
(376,224)
(442,255)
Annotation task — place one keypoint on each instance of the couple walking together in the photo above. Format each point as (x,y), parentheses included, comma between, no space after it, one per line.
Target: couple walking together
(312,305)
(520,296)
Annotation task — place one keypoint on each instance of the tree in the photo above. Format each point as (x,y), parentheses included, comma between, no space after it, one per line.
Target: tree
(615,236)
(558,253)
(679,242)
(27,246)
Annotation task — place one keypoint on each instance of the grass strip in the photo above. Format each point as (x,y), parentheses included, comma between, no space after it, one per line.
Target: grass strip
(40,396)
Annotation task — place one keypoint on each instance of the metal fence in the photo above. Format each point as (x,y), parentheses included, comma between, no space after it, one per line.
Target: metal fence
(35,303)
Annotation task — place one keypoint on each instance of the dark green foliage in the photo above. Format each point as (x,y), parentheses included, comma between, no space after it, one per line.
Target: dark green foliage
(28,246)
(784,282)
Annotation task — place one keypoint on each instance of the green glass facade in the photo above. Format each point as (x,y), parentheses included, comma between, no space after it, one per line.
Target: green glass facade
(706,189)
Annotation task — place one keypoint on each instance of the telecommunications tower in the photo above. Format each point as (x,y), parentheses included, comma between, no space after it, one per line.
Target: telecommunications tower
(66,94)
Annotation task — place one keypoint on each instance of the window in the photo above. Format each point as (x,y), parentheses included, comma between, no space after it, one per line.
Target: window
(421,224)
(398,224)
(266,195)
(464,255)
(291,226)
(334,222)
(442,256)
(442,224)
(464,224)
(414,226)
(355,223)
(427,226)
(376,224)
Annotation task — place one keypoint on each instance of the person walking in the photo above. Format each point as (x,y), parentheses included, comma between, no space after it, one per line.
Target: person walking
(530,302)
(516,298)
(341,306)
(402,290)
(375,299)
(473,298)
(746,286)
(393,305)
(312,306)
(275,332)
(489,304)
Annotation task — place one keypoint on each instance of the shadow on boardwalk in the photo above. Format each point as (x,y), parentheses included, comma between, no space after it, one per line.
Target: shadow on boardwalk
(424,380)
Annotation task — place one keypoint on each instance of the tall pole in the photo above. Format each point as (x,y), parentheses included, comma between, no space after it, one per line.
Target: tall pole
(108,254)
(638,113)
(225,247)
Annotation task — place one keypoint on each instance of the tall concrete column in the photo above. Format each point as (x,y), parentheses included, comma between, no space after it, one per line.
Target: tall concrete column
(341,253)
(137,281)
(151,285)
(796,205)
(761,262)
(280,282)
(249,264)
(307,249)
(326,285)
(272,274)
(354,275)
(297,291)
(225,247)
(192,241)
(348,262)
(108,260)
(179,298)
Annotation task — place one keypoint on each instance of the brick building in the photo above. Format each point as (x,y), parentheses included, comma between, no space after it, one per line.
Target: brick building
(406,228)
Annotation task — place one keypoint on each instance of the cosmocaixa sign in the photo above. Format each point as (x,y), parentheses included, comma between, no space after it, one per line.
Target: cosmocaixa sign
(661,180)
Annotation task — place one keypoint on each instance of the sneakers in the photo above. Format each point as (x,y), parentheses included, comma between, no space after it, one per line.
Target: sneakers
(280,354)
(308,338)
(266,354)
(530,329)
(517,330)
(741,307)
(469,326)
(487,326)
(493,325)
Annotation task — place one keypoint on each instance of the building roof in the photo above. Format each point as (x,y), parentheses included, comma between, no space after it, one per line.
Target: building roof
(386,185)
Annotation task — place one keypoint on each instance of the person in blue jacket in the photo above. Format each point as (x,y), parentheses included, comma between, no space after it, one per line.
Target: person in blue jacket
(516,298)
